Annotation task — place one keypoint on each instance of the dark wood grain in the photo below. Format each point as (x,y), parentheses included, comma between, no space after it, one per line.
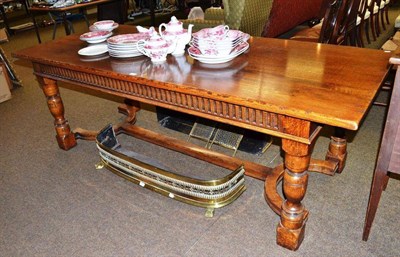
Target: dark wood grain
(321,83)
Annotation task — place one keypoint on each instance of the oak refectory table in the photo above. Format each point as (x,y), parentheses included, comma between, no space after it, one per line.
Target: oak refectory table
(287,89)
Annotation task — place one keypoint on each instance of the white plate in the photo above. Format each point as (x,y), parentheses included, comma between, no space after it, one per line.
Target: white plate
(125,55)
(93,50)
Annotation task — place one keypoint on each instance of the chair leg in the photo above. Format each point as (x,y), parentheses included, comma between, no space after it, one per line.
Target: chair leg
(71,27)
(372,26)
(378,28)
(86,20)
(380,176)
(367,31)
(360,34)
(382,12)
(387,14)
(54,30)
(385,182)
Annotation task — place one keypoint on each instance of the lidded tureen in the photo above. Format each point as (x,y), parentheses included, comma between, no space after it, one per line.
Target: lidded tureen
(156,48)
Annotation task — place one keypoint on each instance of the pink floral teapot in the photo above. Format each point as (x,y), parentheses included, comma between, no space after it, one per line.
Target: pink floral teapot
(174,32)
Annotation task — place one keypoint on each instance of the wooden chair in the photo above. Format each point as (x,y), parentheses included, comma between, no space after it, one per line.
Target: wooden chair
(338,26)
(58,18)
(373,8)
(363,16)
(389,153)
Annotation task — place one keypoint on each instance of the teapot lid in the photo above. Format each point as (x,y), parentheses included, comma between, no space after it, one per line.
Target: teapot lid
(174,25)
(174,21)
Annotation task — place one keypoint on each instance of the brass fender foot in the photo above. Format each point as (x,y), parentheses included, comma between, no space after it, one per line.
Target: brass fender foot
(99,165)
(209,212)
(290,239)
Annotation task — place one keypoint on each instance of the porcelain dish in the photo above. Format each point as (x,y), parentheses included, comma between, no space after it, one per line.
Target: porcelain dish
(196,54)
(93,50)
(104,24)
(94,28)
(95,36)
(125,45)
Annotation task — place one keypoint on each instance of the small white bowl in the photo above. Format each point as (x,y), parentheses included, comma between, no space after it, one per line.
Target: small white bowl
(104,25)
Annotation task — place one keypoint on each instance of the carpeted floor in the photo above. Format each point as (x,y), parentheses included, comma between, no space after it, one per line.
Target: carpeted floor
(55,203)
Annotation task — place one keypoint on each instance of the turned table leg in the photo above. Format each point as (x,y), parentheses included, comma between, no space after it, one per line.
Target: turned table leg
(290,231)
(337,152)
(65,138)
(293,215)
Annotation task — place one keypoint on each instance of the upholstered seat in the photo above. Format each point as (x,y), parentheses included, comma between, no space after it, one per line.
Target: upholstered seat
(310,34)
(248,16)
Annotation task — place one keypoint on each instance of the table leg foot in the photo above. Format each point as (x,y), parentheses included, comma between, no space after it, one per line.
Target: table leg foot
(337,152)
(290,238)
(66,142)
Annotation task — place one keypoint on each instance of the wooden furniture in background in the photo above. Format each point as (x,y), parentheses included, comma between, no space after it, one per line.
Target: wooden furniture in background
(10,30)
(9,69)
(338,26)
(63,13)
(116,10)
(287,89)
(5,84)
(389,153)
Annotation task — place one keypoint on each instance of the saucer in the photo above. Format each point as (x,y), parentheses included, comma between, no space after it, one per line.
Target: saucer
(93,50)
(95,36)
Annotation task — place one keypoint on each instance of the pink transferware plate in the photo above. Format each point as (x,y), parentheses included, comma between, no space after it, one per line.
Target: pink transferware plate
(95,37)
(128,38)
(95,34)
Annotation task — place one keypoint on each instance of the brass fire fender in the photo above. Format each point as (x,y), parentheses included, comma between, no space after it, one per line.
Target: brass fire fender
(151,174)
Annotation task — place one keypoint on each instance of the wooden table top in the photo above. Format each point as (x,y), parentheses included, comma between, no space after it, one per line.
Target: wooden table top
(327,84)
(45,8)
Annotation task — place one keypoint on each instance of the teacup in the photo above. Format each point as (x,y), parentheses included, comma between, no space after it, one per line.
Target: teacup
(104,25)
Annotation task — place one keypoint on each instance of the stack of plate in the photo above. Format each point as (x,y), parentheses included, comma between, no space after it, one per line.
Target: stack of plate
(218,45)
(95,36)
(123,46)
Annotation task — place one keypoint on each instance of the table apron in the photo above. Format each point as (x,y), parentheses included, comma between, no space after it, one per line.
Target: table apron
(198,105)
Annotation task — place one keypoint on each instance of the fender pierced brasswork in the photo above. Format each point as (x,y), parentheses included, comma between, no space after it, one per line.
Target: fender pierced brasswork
(153,175)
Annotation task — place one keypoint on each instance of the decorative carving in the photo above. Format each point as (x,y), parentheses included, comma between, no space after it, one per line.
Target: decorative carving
(154,95)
